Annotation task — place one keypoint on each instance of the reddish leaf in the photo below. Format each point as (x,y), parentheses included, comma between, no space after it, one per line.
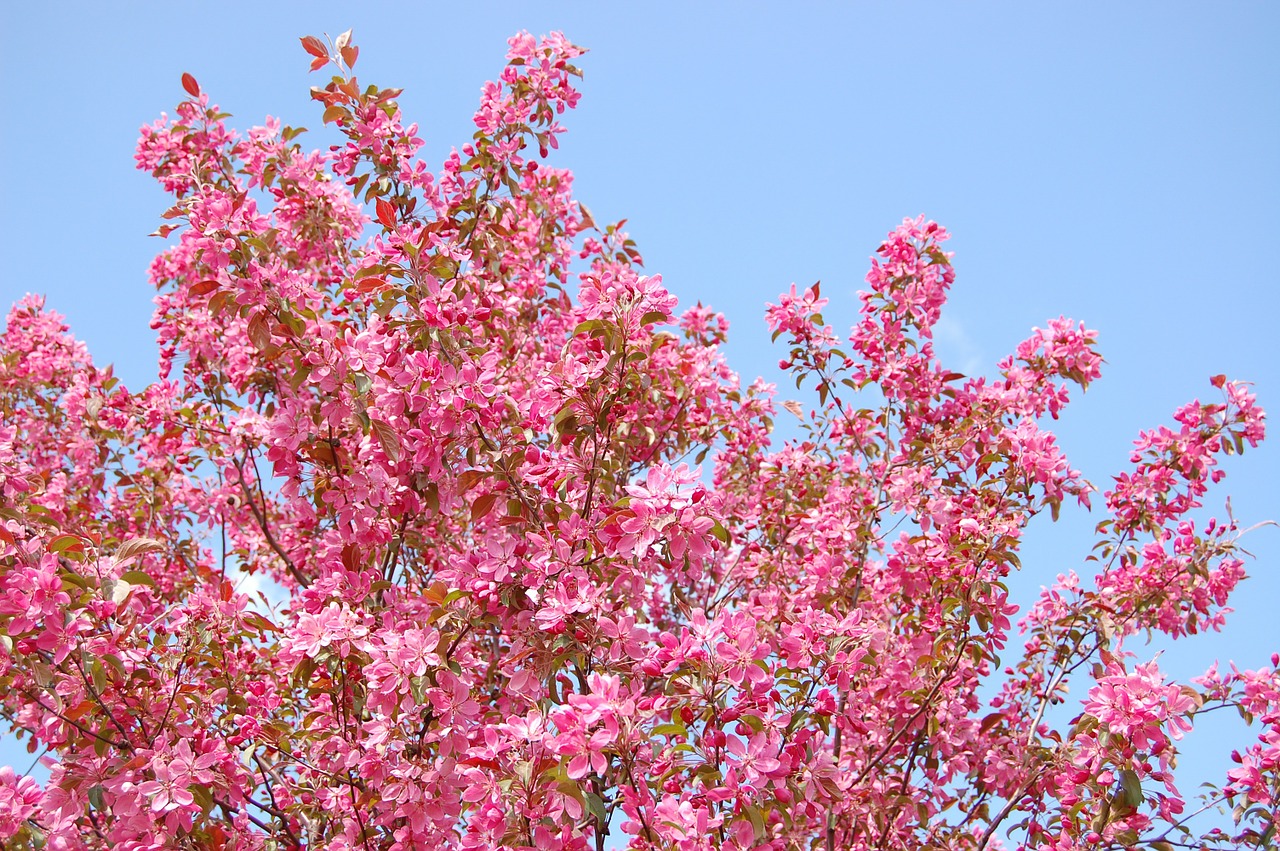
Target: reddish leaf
(222,301)
(349,55)
(259,332)
(66,544)
(315,47)
(319,62)
(137,547)
(470,478)
(321,451)
(386,213)
(203,288)
(189,83)
(388,440)
(482,506)
(259,623)
(436,593)
(79,710)
(368,285)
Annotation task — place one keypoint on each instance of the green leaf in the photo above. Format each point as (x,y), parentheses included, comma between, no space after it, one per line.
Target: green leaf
(363,382)
(99,675)
(590,326)
(203,796)
(1132,786)
(596,805)
(720,532)
(114,661)
(75,579)
(306,667)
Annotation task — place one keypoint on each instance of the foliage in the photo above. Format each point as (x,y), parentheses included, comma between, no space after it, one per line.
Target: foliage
(516,616)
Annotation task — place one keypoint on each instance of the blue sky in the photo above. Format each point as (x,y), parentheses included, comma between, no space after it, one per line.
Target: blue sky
(1116,163)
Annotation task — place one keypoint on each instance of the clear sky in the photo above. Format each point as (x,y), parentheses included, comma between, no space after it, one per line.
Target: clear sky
(1115,162)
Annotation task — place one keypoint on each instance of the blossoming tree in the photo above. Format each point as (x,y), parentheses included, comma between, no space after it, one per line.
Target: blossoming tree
(447,416)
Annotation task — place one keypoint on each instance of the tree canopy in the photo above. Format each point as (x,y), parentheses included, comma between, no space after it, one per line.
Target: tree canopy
(549,581)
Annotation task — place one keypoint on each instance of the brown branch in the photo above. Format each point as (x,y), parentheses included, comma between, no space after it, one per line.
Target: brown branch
(125,746)
(260,515)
